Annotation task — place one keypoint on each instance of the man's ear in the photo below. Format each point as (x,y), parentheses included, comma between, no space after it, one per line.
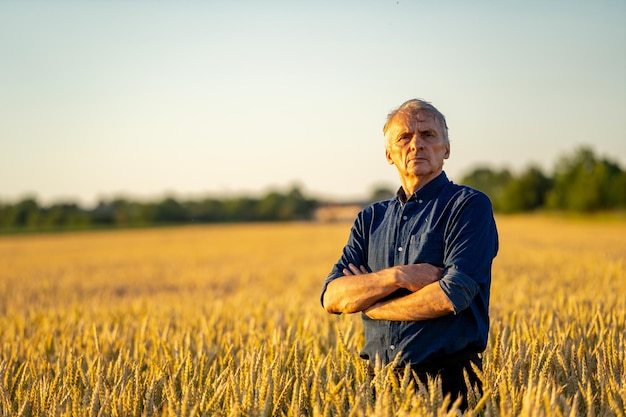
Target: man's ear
(388,156)
(447,154)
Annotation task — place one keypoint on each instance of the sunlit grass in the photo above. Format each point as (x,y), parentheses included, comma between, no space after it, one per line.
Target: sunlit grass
(226,320)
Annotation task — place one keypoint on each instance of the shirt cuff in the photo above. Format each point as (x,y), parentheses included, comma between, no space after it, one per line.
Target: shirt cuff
(459,287)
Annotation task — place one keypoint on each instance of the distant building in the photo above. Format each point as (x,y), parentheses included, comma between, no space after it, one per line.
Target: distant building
(337,212)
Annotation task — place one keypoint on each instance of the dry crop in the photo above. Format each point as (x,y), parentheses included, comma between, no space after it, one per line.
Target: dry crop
(226,321)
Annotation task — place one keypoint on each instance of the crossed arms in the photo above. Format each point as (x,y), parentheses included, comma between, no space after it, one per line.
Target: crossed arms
(362,291)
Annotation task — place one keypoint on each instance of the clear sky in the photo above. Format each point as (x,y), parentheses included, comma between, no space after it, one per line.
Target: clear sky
(107,98)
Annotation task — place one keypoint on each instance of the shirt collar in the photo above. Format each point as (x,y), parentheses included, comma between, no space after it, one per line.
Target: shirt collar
(427,192)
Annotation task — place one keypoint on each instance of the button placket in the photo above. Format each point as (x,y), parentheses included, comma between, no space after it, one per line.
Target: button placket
(392,340)
(403,225)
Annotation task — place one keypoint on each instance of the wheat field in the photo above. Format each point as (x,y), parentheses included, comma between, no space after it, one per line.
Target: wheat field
(225,320)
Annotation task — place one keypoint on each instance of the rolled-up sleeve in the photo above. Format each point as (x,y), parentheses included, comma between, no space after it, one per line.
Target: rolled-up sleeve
(459,287)
(471,243)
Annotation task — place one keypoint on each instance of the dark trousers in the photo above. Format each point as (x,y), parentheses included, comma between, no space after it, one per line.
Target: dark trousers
(451,373)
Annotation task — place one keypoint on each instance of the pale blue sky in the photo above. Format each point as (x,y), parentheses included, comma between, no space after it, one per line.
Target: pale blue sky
(100,99)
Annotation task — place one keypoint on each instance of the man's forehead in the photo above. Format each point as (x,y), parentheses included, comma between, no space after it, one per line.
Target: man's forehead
(421,121)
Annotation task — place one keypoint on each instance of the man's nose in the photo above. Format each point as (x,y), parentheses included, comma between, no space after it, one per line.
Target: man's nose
(417,142)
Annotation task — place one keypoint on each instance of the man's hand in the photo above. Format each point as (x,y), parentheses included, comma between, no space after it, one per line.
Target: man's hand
(359,289)
(353,270)
(414,277)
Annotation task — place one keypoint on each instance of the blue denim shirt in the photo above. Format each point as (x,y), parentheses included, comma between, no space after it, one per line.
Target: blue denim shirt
(444,224)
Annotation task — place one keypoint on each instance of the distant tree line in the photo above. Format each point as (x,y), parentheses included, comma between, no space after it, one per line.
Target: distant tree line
(28,214)
(581,182)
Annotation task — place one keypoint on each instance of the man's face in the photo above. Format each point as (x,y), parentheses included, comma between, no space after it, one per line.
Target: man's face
(416,146)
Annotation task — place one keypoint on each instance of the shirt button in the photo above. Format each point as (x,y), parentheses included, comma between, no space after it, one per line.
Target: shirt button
(419,201)
(392,347)
(400,249)
(404,217)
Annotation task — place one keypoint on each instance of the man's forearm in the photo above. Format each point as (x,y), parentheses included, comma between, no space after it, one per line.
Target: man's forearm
(428,303)
(358,290)
(354,293)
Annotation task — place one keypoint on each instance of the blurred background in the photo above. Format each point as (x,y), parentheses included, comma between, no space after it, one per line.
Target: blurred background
(131,112)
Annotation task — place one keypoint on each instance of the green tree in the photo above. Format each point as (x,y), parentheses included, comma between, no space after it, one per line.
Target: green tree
(25,212)
(206,210)
(525,192)
(270,206)
(617,190)
(241,209)
(64,215)
(491,182)
(170,211)
(297,206)
(584,182)
(285,207)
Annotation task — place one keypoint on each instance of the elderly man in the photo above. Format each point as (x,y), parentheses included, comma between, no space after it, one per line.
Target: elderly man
(418,266)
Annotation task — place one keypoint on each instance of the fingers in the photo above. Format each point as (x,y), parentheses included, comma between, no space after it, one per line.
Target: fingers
(354,270)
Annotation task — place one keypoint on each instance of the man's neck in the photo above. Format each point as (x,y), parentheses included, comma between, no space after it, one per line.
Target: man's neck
(413,184)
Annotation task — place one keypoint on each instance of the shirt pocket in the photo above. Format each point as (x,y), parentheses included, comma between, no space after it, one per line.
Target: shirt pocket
(426,248)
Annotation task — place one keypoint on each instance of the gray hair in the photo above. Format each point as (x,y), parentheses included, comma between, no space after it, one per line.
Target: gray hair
(411,108)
